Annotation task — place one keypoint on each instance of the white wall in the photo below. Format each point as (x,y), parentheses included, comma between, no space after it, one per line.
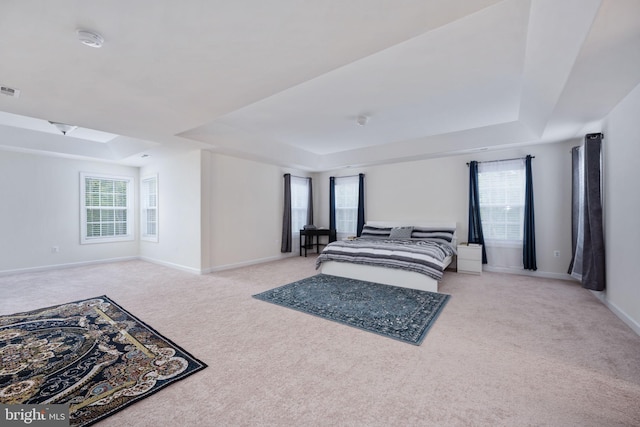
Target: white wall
(179,212)
(215,212)
(218,211)
(40,209)
(437,189)
(246,202)
(621,146)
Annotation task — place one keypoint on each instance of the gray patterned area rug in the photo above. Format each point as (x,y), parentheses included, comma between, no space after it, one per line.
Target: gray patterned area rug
(395,312)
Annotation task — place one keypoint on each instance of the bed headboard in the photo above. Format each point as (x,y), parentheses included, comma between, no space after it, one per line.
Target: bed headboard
(418,223)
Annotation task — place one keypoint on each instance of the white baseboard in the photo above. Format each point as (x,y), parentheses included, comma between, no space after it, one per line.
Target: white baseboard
(219,267)
(634,325)
(602,296)
(63,266)
(172,265)
(537,273)
(147,259)
(248,263)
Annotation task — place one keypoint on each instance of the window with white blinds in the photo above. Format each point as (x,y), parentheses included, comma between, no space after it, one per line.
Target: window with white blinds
(501,187)
(149,208)
(346,192)
(106,208)
(299,203)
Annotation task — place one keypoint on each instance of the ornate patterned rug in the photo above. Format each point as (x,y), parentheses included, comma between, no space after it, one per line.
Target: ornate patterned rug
(395,312)
(92,355)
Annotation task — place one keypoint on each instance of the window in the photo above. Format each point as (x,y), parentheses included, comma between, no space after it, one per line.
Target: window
(346,191)
(299,203)
(106,207)
(149,208)
(501,187)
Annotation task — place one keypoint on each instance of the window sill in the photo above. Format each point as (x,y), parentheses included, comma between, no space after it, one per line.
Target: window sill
(503,244)
(92,240)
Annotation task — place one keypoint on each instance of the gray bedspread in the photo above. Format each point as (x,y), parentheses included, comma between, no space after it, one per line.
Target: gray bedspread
(422,256)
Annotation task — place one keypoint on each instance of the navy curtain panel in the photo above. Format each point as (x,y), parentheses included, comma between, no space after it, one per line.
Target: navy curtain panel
(286,216)
(529,240)
(593,260)
(332,203)
(360,223)
(475,224)
(310,204)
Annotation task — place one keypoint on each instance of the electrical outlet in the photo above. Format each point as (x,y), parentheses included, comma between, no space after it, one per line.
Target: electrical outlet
(556,253)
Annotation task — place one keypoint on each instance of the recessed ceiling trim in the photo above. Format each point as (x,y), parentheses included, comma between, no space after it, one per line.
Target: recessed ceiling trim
(63,127)
(39,125)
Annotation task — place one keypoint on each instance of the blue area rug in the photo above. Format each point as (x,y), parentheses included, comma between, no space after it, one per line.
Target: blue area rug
(395,312)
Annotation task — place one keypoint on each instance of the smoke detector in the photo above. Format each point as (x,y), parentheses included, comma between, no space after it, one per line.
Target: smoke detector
(362,120)
(90,38)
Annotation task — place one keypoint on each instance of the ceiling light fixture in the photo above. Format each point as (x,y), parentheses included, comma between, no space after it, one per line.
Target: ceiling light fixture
(63,127)
(362,120)
(90,38)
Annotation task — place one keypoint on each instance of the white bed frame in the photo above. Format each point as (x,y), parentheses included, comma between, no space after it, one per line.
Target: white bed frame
(389,276)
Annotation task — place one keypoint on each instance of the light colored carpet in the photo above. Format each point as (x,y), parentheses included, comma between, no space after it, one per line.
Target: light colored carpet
(506,351)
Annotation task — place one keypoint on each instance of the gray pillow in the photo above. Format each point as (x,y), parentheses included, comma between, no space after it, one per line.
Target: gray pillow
(371,232)
(433,233)
(401,232)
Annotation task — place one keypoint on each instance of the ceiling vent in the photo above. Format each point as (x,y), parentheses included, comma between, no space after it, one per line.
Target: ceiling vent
(9,91)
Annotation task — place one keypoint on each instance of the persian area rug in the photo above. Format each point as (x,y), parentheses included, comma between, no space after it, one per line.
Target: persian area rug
(395,312)
(92,355)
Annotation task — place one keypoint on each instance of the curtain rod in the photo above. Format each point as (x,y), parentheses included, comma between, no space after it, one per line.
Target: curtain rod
(348,176)
(589,136)
(504,160)
(296,176)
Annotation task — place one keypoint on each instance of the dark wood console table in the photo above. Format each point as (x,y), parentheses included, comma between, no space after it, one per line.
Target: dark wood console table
(312,237)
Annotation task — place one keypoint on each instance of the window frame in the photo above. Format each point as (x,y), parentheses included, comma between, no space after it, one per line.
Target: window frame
(489,238)
(128,209)
(346,211)
(144,207)
(297,183)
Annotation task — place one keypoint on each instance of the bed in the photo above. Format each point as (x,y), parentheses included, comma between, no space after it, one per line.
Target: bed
(411,255)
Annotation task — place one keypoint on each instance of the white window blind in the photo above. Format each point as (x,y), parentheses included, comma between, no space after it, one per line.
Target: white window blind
(105,208)
(149,208)
(346,193)
(299,203)
(501,186)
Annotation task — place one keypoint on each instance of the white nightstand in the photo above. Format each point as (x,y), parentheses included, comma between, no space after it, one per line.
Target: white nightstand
(469,259)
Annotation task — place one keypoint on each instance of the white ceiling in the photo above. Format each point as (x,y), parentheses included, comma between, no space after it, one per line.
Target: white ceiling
(284,81)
